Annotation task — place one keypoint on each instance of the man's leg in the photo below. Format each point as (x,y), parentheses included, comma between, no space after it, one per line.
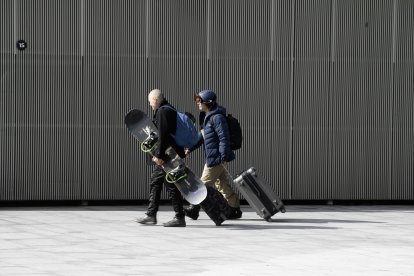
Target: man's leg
(210,175)
(156,182)
(219,178)
(177,203)
(224,187)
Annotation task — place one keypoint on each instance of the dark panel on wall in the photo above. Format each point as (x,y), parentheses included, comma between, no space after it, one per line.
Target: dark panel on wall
(282,29)
(7,125)
(115,170)
(7,10)
(280,96)
(244,87)
(7,100)
(362,93)
(240,29)
(114,28)
(177,29)
(114,82)
(403,112)
(403,133)
(50,27)
(177,39)
(240,34)
(48,134)
(311,100)
(48,97)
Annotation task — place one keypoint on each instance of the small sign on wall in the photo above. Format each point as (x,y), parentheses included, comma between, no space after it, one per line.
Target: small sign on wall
(21,45)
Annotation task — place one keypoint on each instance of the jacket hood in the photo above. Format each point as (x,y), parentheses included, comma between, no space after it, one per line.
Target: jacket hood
(216,110)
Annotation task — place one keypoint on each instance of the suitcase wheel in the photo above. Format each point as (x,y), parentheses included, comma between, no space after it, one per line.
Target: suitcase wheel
(265,213)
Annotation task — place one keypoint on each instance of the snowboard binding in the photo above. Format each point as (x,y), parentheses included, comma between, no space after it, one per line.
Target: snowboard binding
(177,174)
(150,143)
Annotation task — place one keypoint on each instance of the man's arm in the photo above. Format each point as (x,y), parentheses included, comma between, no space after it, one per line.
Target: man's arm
(166,125)
(222,130)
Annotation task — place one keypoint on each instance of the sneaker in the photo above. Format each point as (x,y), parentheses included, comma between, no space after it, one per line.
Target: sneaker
(235,213)
(175,222)
(192,211)
(147,220)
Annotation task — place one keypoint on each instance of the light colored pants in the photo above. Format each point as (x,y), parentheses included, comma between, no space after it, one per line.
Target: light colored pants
(220,178)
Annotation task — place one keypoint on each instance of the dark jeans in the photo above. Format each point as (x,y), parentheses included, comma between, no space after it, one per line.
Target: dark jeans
(157,180)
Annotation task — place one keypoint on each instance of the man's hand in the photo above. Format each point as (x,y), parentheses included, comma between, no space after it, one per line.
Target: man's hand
(157,161)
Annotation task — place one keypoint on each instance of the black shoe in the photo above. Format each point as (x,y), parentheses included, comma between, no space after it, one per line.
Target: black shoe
(235,213)
(175,222)
(147,220)
(192,211)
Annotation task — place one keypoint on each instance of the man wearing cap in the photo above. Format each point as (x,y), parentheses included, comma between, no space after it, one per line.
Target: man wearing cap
(217,151)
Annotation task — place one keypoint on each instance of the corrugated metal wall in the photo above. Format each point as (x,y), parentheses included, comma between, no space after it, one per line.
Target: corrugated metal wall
(115,81)
(402,134)
(362,100)
(7,100)
(323,89)
(47,101)
(310,99)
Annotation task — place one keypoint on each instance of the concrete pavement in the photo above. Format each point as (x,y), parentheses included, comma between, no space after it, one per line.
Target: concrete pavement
(306,240)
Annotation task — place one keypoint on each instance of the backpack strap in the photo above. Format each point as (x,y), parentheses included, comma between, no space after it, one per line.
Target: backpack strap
(212,120)
(169,107)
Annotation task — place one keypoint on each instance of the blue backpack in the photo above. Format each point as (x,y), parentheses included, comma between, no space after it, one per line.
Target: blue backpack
(186,134)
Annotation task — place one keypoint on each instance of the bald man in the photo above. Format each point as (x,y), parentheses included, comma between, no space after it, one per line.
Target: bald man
(166,121)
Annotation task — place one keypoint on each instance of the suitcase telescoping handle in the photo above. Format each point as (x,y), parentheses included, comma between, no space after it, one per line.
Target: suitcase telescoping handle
(258,193)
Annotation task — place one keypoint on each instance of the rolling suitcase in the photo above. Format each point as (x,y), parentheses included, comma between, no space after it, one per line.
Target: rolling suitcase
(215,206)
(259,194)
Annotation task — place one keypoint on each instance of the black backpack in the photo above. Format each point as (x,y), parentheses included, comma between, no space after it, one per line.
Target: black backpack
(236,136)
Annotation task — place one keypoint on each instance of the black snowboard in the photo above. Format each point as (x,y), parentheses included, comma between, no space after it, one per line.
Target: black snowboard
(177,172)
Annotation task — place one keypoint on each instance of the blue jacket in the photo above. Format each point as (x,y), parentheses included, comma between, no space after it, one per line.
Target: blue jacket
(217,137)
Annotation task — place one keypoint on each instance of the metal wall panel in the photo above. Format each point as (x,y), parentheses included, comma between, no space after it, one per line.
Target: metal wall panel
(7,99)
(403,102)
(322,88)
(282,22)
(179,79)
(113,168)
(241,72)
(312,36)
(49,27)
(362,93)
(177,29)
(114,82)
(48,97)
(240,29)
(177,61)
(244,87)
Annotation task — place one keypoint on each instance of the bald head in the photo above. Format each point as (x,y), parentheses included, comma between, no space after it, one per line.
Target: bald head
(155,98)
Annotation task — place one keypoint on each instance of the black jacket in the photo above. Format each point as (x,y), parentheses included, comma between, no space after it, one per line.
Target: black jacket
(165,119)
